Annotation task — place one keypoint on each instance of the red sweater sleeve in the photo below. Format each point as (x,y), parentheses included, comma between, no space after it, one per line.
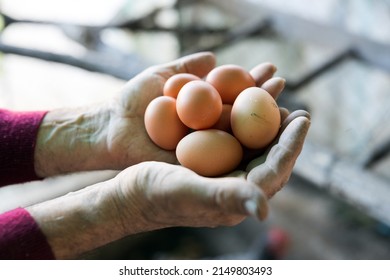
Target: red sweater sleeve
(18,133)
(20,236)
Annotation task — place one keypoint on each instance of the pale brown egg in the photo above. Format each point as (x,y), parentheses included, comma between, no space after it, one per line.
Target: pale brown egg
(174,84)
(230,80)
(198,105)
(163,124)
(209,152)
(255,118)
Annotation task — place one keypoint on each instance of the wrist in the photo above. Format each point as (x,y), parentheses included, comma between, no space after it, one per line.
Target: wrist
(80,221)
(71,140)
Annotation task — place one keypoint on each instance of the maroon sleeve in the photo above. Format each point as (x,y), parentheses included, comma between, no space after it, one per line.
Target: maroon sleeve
(18,133)
(21,238)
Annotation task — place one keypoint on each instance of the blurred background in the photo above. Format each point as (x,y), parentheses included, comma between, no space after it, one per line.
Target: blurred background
(334,54)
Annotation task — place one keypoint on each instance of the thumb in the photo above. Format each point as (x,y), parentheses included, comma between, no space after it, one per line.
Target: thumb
(237,196)
(173,195)
(199,64)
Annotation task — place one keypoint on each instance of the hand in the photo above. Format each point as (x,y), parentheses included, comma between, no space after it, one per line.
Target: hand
(170,195)
(110,135)
(153,195)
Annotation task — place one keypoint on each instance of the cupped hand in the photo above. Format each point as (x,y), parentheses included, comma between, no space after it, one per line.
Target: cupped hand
(164,195)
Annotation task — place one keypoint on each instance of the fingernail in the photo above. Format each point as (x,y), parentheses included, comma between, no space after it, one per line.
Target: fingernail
(251,207)
(253,210)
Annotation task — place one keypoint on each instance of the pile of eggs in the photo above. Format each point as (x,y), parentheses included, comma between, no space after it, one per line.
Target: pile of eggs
(208,121)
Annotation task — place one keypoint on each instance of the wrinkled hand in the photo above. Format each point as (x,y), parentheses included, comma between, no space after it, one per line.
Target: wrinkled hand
(170,195)
(110,135)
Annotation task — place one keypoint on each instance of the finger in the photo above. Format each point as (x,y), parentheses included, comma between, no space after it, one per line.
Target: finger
(262,72)
(238,196)
(279,163)
(274,86)
(225,200)
(284,113)
(287,119)
(183,198)
(199,64)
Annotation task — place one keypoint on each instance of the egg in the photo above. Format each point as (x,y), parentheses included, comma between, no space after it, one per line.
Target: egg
(255,118)
(198,105)
(224,120)
(229,80)
(173,85)
(163,124)
(209,152)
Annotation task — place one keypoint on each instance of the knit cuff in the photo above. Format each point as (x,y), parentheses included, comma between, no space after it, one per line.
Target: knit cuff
(21,237)
(18,134)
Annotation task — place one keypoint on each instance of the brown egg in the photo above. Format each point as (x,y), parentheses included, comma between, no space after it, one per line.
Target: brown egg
(230,80)
(255,118)
(198,105)
(173,85)
(209,152)
(163,124)
(224,121)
